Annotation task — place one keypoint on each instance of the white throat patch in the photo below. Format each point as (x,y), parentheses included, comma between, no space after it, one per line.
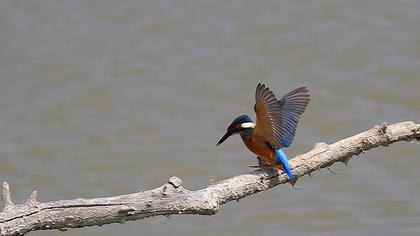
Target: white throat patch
(248,125)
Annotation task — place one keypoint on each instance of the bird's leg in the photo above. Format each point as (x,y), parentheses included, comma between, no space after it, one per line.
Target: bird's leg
(261,163)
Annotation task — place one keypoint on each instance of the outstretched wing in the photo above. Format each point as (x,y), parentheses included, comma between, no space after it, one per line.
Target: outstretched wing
(277,120)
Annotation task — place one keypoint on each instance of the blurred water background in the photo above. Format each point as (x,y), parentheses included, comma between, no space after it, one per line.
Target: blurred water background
(102,98)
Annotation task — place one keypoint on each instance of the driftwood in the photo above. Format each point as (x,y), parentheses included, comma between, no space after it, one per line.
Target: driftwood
(172,198)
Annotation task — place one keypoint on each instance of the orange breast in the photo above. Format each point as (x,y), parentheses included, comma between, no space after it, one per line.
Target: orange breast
(260,148)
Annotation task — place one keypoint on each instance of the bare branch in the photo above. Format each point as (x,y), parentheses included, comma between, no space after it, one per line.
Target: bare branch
(172,198)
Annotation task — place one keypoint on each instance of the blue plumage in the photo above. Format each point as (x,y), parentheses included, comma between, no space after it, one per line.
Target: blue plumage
(275,127)
(241,119)
(285,142)
(281,158)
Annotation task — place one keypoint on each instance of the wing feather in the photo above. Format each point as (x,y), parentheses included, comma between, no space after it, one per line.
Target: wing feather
(277,119)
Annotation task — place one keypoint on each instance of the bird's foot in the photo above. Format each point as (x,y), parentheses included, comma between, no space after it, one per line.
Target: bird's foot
(272,177)
(261,164)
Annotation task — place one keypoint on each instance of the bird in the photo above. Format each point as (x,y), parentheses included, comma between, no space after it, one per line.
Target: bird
(275,127)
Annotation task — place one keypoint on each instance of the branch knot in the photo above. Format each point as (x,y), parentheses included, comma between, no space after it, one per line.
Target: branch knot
(382,128)
(175,181)
(7,201)
(32,202)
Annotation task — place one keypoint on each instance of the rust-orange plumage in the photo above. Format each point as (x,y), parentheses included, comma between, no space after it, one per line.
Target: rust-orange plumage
(275,127)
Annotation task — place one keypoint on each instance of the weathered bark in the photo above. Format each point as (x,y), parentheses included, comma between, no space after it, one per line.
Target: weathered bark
(171,198)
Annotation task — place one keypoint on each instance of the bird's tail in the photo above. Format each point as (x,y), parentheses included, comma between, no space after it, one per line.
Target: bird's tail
(281,158)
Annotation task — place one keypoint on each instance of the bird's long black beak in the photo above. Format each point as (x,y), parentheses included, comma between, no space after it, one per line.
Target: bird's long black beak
(227,135)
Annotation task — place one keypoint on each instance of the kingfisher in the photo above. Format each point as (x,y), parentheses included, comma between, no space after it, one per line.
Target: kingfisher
(275,127)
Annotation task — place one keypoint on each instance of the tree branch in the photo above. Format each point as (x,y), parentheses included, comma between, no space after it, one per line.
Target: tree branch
(172,198)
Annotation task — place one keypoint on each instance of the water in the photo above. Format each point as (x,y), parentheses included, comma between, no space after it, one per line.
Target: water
(101,98)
